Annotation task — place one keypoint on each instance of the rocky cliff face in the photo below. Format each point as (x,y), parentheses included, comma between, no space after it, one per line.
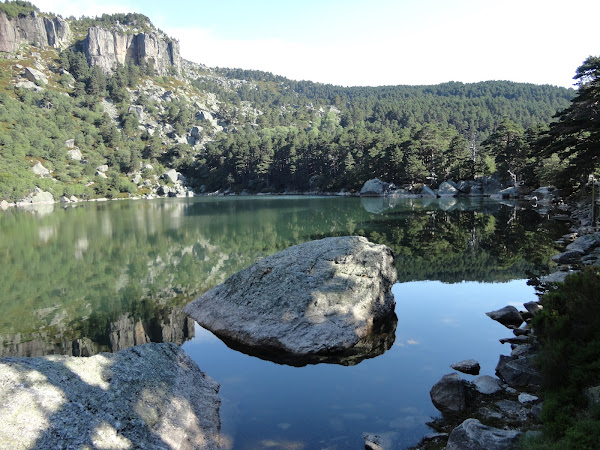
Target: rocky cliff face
(32,29)
(105,48)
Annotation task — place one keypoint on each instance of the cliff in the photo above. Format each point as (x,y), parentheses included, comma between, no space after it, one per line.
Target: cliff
(32,29)
(105,48)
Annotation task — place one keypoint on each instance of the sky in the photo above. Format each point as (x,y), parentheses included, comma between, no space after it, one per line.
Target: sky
(375,42)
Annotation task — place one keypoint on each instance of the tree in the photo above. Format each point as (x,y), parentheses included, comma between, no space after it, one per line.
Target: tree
(508,148)
(575,136)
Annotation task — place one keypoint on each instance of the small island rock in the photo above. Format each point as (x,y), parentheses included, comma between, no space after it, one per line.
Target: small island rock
(468,366)
(306,304)
(507,316)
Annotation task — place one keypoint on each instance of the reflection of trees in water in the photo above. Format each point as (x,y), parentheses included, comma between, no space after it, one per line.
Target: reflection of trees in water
(131,263)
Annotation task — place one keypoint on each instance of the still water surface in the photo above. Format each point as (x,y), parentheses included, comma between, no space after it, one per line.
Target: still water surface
(105,276)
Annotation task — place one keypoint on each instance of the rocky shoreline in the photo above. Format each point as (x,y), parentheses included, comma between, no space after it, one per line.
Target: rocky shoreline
(495,412)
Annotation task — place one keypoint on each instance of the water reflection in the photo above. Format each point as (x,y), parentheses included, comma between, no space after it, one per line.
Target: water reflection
(73,277)
(374,344)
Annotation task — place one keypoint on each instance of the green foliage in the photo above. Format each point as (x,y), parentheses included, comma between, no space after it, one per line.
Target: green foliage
(18,8)
(569,332)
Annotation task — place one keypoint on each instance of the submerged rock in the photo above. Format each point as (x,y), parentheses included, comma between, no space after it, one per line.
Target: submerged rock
(473,435)
(151,396)
(322,301)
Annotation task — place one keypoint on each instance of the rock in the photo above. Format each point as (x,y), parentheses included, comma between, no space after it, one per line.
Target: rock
(545,194)
(32,29)
(512,411)
(522,350)
(486,385)
(65,199)
(105,48)
(518,372)
(448,188)
(103,168)
(70,143)
(585,243)
(568,257)
(556,277)
(522,331)
(473,435)
(322,301)
(426,191)
(138,110)
(101,174)
(509,192)
(35,76)
(171,175)
(379,441)
(73,199)
(468,366)
(449,394)
(527,398)
(136,179)
(40,170)
(533,307)
(507,316)
(375,188)
(29,85)
(75,154)
(4,205)
(163,190)
(38,197)
(515,340)
(490,185)
(593,395)
(151,396)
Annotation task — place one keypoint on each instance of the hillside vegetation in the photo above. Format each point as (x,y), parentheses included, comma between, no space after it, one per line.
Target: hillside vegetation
(235,129)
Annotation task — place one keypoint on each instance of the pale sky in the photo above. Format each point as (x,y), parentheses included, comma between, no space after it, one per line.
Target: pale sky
(375,42)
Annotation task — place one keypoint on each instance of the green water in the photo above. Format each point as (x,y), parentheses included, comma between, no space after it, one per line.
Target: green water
(80,279)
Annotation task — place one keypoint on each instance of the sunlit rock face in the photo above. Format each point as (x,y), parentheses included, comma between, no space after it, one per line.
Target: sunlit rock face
(149,396)
(322,301)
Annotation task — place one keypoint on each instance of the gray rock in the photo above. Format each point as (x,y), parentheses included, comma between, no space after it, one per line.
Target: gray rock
(321,301)
(32,29)
(533,307)
(4,205)
(507,316)
(75,154)
(509,192)
(513,411)
(515,340)
(103,168)
(593,395)
(522,350)
(585,243)
(39,197)
(101,174)
(29,85)
(469,366)
(447,188)
(556,277)
(196,132)
(426,191)
(35,75)
(473,435)
(490,185)
(70,143)
(449,394)
(163,190)
(65,199)
(379,441)
(568,257)
(527,398)
(486,385)
(151,396)
(137,178)
(375,188)
(171,175)
(518,372)
(40,170)
(138,110)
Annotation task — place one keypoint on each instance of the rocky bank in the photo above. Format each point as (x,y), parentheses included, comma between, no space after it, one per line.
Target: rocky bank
(149,396)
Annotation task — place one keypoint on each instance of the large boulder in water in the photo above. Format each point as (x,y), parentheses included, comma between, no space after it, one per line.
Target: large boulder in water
(322,301)
(151,396)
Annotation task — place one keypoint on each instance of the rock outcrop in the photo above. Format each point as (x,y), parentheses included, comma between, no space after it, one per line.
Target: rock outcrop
(151,396)
(105,48)
(32,29)
(322,301)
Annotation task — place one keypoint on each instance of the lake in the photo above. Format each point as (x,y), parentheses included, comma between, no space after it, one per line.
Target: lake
(87,278)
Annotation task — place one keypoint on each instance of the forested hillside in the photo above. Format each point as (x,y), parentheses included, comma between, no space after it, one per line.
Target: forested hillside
(99,133)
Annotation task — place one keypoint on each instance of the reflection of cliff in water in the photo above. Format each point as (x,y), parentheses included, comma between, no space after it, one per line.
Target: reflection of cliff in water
(169,325)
